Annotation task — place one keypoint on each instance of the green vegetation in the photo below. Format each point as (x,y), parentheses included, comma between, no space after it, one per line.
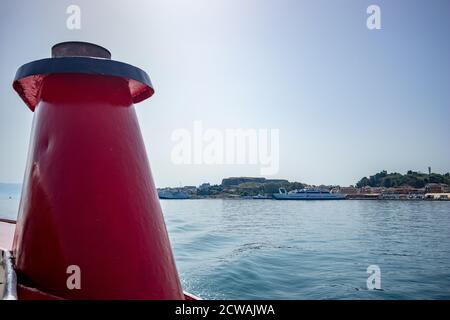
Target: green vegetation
(235,181)
(247,187)
(411,178)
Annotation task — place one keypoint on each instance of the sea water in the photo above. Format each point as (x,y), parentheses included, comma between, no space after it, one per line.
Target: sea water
(267,249)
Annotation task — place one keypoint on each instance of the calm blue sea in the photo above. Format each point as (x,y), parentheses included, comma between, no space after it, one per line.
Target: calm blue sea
(265,249)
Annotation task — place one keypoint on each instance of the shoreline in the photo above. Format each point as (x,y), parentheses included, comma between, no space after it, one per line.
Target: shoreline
(348,199)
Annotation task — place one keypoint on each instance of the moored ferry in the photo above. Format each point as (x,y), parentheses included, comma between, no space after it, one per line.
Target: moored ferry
(307,194)
(172,194)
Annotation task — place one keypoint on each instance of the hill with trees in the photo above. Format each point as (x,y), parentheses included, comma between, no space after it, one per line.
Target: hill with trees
(248,186)
(411,178)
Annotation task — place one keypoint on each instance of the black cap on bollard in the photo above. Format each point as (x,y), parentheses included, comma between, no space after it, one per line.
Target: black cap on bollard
(79,49)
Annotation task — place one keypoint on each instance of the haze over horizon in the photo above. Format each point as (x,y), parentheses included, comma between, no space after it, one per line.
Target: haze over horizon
(348,101)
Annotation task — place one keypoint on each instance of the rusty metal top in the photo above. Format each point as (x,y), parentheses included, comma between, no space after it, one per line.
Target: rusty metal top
(79,49)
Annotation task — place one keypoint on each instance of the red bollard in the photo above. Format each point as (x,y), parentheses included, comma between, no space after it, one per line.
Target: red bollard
(88,196)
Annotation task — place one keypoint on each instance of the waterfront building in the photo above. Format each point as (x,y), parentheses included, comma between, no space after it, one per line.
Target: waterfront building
(435,188)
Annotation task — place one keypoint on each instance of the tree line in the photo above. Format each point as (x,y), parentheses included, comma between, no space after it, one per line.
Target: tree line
(411,178)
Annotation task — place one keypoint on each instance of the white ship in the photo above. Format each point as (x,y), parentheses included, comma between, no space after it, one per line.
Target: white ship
(307,194)
(172,194)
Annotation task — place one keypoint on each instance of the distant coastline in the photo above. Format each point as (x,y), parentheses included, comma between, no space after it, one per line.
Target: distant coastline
(381,186)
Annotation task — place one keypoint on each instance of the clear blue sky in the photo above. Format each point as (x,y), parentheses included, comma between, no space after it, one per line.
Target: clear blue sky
(348,101)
